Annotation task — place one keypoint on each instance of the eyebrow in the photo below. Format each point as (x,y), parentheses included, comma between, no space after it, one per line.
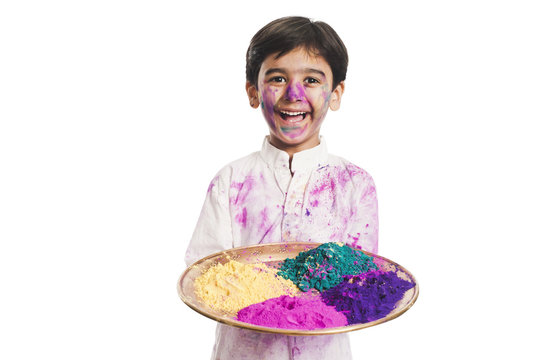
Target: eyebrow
(310,70)
(282,71)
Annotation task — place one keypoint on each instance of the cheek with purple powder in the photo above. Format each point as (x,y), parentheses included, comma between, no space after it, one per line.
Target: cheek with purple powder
(326,97)
(267,99)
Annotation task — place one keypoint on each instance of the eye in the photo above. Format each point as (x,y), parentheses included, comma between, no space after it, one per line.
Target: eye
(277,79)
(311,80)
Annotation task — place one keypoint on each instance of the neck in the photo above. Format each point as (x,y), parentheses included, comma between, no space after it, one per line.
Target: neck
(293,149)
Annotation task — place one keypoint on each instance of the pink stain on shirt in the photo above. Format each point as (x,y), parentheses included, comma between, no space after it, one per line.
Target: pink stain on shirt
(369,191)
(265,226)
(355,239)
(243,189)
(264,218)
(335,181)
(326,185)
(212,184)
(241,218)
(238,198)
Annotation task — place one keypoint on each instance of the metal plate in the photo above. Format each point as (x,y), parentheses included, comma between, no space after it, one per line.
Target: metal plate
(272,255)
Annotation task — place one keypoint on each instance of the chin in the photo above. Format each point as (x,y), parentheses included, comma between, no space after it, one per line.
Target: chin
(299,140)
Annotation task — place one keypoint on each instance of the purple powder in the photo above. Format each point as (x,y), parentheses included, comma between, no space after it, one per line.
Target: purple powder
(286,312)
(367,297)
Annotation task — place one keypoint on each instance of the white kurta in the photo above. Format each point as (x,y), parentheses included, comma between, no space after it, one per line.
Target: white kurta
(257,200)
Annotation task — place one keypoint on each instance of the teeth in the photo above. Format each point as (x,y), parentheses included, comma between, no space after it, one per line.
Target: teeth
(292,113)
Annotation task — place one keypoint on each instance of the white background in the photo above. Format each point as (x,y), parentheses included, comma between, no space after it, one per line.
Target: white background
(115,116)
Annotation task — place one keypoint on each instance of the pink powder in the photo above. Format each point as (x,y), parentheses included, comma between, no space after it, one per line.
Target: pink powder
(286,312)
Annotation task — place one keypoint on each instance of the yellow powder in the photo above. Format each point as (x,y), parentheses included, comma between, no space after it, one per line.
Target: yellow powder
(233,285)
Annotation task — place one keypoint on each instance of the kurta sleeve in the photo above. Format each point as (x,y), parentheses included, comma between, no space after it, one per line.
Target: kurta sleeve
(213,231)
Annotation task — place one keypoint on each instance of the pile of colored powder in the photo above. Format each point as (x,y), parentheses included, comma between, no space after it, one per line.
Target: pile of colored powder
(367,297)
(286,312)
(232,286)
(323,267)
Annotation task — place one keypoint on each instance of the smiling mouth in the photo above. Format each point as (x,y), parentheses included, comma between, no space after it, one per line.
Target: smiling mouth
(293,116)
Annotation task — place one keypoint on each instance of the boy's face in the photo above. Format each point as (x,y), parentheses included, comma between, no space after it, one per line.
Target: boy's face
(295,92)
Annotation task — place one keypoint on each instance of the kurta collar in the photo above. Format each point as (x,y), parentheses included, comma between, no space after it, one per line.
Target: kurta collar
(304,160)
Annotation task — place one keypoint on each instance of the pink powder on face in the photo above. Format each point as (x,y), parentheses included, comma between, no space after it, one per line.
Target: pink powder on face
(286,312)
(295,92)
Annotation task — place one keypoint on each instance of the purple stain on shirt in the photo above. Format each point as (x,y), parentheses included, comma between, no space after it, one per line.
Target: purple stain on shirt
(241,218)
(355,240)
(319,189)
(265,226)
(264,218)
(243,190)
(328,185)
(343,176)
(369,191)
(336,175)
(240,190)
(212,184)
(307,212)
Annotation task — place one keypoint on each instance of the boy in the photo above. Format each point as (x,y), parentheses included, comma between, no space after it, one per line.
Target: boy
(291,190)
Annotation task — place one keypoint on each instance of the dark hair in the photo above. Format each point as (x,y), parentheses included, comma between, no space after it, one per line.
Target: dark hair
(287,33)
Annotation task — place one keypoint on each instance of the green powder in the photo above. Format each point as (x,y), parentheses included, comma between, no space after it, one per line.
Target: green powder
(323,267)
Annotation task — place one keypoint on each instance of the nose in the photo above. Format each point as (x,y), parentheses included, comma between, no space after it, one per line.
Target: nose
(294,92)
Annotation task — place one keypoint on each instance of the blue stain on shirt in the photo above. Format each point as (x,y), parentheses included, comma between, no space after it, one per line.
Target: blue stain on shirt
(322,167)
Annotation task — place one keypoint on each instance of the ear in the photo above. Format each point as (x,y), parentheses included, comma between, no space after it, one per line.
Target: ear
(253,95)
(336,96)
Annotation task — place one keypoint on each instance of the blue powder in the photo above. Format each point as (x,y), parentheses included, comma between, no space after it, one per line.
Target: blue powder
(367,297)
(323,267)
